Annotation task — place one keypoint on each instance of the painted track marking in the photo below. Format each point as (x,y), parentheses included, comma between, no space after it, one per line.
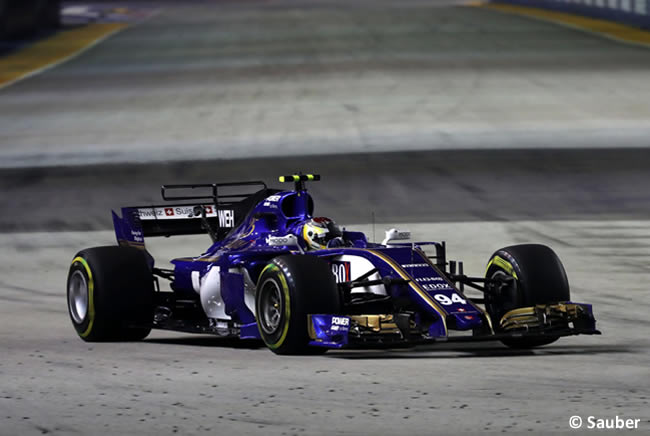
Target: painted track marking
(606,29)
(48,53)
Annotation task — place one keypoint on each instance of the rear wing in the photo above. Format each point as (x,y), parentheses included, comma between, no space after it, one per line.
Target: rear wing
(224,206)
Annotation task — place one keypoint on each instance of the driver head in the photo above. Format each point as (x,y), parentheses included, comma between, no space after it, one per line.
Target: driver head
(319,231)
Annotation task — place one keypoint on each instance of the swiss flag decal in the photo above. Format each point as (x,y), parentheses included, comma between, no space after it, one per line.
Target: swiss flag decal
(169,211)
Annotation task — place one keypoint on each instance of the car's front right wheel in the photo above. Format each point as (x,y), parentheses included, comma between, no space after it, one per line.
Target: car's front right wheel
(537,277)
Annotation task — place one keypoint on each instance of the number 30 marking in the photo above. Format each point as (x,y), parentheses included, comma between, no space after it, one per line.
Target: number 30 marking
(446,301)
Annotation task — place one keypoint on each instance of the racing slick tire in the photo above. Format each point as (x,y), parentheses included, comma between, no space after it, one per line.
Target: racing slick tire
(110,294)
(539,279)
(289,288)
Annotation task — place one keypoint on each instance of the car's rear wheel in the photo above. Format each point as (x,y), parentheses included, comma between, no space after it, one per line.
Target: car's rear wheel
(110,294)
(288,289)
(538,278)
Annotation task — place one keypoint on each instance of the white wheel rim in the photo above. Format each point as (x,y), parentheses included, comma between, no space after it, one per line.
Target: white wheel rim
(78,297)
(271,306)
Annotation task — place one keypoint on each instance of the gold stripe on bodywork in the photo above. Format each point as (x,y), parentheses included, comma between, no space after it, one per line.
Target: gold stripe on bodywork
(199,259)
(413,284)
(251,230)
(486,315)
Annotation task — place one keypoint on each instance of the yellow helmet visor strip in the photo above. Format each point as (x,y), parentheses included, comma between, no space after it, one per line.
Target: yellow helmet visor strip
(317,231)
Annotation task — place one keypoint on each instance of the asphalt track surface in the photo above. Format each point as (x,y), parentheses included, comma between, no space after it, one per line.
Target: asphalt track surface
(235,79)
(389,101)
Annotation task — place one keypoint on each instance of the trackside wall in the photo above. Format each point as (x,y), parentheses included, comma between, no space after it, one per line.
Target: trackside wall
(20,18)
(633,12)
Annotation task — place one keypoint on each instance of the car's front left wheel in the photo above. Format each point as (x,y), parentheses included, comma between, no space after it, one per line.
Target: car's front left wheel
(289,288)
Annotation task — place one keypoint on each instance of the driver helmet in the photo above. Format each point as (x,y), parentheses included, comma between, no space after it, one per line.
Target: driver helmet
(319,231)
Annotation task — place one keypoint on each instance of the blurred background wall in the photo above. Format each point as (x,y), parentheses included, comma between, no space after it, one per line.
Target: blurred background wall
(635,12)
(23,18)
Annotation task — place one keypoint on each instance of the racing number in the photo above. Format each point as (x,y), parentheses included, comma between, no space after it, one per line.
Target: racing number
(446,301)
(341,271)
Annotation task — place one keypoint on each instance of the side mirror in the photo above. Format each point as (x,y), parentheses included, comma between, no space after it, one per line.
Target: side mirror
(396,235)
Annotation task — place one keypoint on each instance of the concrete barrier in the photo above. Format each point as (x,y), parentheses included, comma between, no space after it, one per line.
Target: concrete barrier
(633,12)
(23,18)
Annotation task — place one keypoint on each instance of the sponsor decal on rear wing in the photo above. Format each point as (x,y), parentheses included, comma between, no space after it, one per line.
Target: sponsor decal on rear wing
(226,216)
(139,222)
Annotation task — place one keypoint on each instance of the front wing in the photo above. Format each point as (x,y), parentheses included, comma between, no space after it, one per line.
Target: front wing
(390,330)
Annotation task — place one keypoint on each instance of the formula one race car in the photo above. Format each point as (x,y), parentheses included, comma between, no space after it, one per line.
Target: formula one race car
(303,285)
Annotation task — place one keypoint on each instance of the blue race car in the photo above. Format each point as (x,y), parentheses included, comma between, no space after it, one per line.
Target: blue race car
(303,285)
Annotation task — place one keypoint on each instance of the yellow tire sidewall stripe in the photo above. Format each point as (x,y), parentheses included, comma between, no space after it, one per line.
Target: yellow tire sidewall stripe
(287,312)
(91,295)
(503,264)
(287,306)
